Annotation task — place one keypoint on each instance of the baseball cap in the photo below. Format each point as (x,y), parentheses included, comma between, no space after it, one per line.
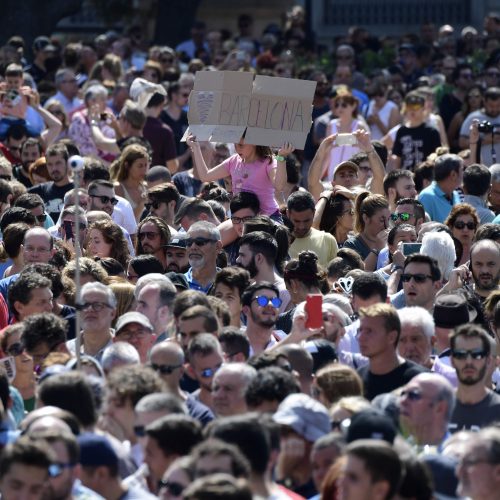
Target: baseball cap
(178,241)
(371,424)
(451,310)
(442,469)
(40,43)
(322,351)
(179,280)
(346,165)
(133,317)
(414,99)
(306,416)
(96,450)
(141,91)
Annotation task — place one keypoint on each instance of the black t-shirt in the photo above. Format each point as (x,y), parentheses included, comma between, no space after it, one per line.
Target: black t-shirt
(448,108)
(414,144)
(18,174)
(186,185)
(178,128)
(477,416)
(382,384)
(52,196)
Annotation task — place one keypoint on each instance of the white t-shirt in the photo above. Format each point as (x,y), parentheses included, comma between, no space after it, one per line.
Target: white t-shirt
(124,216)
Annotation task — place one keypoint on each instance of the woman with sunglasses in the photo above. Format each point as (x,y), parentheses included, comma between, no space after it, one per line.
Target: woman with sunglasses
(252,168)
(129,173)
(25,379)
(106,239)
(176,479)
(463,222)
(345,108)
(335,214)
(473,102)
(371,223)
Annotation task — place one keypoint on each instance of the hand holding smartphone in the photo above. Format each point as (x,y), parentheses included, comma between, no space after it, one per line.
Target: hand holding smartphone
(314,311)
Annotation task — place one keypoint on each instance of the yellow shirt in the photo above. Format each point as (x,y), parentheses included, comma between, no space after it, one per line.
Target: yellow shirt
(324,245)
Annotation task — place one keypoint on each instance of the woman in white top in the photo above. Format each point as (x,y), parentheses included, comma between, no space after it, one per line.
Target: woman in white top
(383,114)
(345,107)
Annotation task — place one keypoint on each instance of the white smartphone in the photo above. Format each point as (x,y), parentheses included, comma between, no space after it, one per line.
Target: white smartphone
(345,140)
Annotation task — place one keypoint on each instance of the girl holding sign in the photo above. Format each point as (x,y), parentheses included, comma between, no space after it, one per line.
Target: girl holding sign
(252,168)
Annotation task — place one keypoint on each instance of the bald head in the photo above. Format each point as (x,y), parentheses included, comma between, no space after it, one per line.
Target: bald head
(167,359)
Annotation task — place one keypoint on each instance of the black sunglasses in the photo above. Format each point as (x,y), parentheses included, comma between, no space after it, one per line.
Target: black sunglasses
(15,349)
(200,242)
(419,278)
(105,199)
(6,177)
(154,204)
(164,369)
(460,224)
(463,354)
(412,395)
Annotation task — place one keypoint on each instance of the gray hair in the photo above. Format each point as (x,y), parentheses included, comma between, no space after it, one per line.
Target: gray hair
(246,371)
(99,287)
(206,226)
(327,306)
(161,280)
(340,301)
(490,437)
(161,402)
(119,354)
(60,75)
(419,317)
(495,172)
(96,90)
(440,246)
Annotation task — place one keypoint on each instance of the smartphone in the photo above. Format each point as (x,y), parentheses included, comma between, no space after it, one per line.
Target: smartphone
(345,140)
(10,367)
(409,248)
(314,310)
(104,116)
(68,229)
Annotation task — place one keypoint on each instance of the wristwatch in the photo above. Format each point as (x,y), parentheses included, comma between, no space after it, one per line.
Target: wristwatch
(395,268)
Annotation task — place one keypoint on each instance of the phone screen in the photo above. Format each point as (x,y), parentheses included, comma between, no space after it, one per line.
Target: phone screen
(68,230)
(409,248)
(314,311)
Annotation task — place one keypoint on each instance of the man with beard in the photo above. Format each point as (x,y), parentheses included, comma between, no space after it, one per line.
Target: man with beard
(260,305)
(477,406)
(485,267)
(490,113)
(203,245)
(163,201)
(300,211)
(153,236)
(31,150)
(176,255)
(399,184)
(53,192)
(257,254)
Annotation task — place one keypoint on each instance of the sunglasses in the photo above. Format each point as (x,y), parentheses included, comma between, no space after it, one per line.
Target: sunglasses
(419,278)
(174,489)
(41,218)
(95,306)
(412,395)
(240,220)
(15,349)
(164,369)
(209,372)
(403,216)
(414,107)
(6,177)
(55,470)
(474,354)
(139,431)
(264,301)
(341,104)
(105,199)
(200,242)
(155,204)
(460,224)
(148,234)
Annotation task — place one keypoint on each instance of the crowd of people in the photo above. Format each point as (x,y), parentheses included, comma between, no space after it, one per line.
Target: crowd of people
(251,322)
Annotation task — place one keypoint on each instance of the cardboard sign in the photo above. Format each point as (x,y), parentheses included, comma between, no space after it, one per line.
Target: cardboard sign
(223,104)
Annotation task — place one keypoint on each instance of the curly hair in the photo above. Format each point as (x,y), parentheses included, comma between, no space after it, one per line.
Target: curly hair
(461,209)
(162,228)
(113,234)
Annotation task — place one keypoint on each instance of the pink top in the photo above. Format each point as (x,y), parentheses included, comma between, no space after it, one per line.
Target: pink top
(254,177)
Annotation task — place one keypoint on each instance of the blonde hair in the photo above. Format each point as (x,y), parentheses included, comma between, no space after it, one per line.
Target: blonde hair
(120,169)
(124,293)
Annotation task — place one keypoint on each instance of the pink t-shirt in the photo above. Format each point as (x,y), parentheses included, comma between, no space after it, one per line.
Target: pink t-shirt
(254,177)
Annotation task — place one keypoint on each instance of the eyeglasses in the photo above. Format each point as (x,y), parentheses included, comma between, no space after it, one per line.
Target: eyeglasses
(164,369)
(129,334)
(15,349)
(460,224)
(340,104)
(41,217)
(200,242)
(139,431)
(463,354)
(31,249)
(73,224)
(105,199)
(55,470)
(263,301)
(209,372)
(412,395)
(149,235)
(155,204)
(95,306)
(240,220)
(174,489)
(419,278)
(403,216)
(6,177)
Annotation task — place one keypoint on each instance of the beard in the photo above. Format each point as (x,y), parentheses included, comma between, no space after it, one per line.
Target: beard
(196,262)
(486,281)
(267,321)
(472,379)
(251,268)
